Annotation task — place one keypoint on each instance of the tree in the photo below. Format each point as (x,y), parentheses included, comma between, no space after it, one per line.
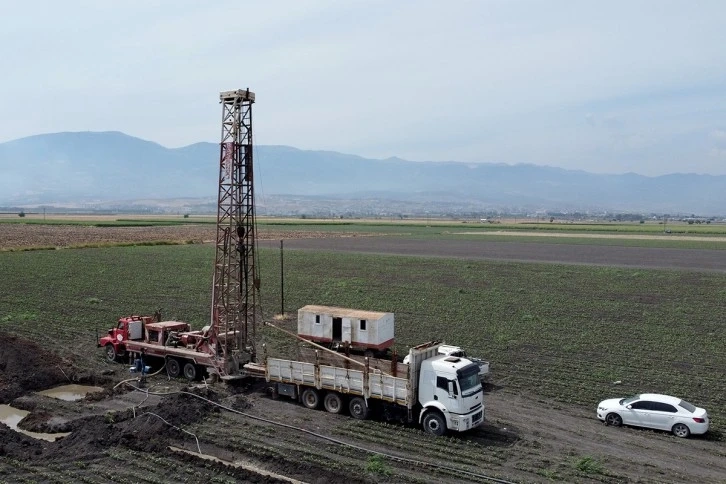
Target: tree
(21,214)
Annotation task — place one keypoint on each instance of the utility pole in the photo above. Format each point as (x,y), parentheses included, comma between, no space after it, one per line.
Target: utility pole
(282,282)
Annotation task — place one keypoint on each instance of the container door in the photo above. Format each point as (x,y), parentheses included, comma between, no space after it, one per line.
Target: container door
(346,331)
(337,329)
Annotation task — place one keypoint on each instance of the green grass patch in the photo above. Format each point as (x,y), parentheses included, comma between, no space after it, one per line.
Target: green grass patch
(562,331)
(376,464)
(589,465)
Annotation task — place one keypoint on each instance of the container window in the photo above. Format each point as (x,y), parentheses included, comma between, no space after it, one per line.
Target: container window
(317,319)
(362,324)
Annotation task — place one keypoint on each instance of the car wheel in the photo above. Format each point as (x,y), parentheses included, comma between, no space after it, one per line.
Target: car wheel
(681,430)
(613,419)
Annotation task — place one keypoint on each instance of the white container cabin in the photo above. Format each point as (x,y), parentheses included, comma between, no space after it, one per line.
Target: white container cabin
(332,326)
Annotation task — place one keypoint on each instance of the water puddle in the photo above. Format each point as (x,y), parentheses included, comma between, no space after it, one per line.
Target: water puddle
(70,393)
(12,416)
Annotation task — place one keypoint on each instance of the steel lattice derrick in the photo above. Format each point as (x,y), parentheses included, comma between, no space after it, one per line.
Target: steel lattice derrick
(235,293)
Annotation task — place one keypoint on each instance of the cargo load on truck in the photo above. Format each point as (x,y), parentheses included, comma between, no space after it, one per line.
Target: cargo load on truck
(451,350)
(354,329)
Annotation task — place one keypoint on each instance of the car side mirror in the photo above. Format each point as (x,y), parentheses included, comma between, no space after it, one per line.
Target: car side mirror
(451,389)
(629,407)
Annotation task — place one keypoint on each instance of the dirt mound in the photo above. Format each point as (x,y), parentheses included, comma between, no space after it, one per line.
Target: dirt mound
(184,408)
(238,402)
(16,445)
(146,430)
(25,366)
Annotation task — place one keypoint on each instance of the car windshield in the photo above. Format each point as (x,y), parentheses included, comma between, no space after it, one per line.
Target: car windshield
(687,406)
(628,401)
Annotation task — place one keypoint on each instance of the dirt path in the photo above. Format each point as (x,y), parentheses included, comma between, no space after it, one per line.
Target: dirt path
(606,255)
(14,236)
(548,428)
(582,235)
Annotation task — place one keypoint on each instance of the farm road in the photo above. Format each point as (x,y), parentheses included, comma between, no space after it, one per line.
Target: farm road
(606,255)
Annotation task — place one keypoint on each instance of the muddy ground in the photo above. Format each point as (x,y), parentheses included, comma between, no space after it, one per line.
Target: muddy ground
(126,434)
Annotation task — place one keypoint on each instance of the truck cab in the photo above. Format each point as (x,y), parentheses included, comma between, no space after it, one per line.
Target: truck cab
(450,394)
(141,329)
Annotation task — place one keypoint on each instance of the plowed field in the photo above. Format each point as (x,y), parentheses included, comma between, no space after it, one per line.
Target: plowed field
(241,434)
(19,236)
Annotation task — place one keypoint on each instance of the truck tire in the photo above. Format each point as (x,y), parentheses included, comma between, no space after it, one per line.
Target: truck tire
(173,368)
(190,371)
(434,423)
(111,354)
(310,398)
(358,408)
(333,403)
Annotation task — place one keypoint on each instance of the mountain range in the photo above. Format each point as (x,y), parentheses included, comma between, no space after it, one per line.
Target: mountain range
(111,167)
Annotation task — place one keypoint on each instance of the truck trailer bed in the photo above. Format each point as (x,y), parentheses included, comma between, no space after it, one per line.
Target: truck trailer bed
(368,383)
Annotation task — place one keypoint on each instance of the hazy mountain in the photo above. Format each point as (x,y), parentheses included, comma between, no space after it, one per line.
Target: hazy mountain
(104,166)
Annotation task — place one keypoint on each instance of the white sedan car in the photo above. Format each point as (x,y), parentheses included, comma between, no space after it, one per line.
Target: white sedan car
(656,412)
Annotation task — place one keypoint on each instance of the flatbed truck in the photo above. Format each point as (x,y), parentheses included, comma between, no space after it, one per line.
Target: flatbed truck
(440,392)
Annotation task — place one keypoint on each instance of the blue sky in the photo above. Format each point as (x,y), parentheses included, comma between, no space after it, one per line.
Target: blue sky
(606,87)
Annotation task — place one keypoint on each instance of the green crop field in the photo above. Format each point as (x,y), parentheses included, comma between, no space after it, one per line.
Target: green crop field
(567,332)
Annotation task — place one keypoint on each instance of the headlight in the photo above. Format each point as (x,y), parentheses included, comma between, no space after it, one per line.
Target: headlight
(601,408)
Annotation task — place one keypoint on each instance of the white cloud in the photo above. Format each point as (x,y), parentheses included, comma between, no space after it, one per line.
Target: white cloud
(596,86)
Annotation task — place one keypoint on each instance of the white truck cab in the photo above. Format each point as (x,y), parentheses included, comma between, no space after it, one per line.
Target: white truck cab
(450,386)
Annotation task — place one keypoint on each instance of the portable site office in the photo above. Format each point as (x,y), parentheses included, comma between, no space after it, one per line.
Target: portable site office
(363,330)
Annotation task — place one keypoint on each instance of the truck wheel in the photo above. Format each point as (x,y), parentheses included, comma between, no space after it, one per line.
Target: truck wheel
(190,371)
(434,423)
(111,354)
(358,408)
(310,398)
(173,368)
(333,403)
